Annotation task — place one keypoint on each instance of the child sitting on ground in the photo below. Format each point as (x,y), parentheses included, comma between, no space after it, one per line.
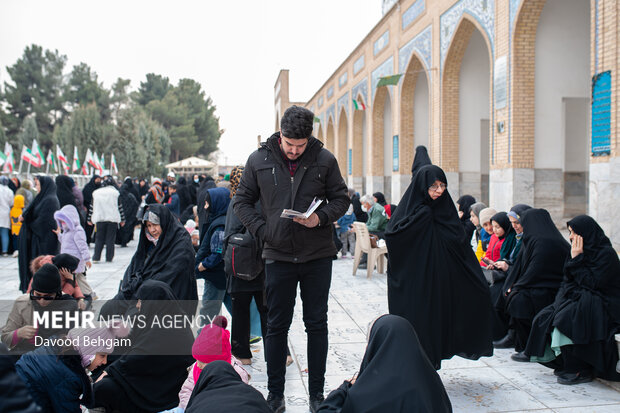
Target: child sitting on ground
(66,265)
(213,343)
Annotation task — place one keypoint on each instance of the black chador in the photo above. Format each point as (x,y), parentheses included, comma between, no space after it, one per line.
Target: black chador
(434,279)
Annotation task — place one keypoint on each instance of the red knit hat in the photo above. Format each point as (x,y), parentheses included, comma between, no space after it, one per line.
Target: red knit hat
(213,342)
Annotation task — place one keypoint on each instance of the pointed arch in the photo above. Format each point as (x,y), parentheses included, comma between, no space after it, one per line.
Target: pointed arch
(342,144)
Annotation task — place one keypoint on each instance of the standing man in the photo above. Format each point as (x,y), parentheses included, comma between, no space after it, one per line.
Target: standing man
(289,171)
(106,211)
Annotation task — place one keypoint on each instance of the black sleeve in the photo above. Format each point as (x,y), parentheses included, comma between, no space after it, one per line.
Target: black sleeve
(335,400)
(337,197)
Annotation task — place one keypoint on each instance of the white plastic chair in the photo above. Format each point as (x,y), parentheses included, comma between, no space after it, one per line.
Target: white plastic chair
(376,256)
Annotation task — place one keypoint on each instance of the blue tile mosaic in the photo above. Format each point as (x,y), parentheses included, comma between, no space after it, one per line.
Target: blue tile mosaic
(381,42)
(413,12)
(385,69)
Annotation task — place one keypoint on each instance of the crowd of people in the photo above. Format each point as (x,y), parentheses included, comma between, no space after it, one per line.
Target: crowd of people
(462,280)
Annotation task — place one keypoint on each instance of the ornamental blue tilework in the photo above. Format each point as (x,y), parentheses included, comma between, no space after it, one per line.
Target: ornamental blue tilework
(320,102)
(413,12)
(422,45)
(481,10)
(386,69)
(381,42)
(330,92)
(331,111)
(358,65)
(361,89)
(344,101)
(342,80)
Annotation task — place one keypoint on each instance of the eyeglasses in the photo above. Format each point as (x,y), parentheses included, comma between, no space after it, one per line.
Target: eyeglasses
(42,297)
(436,187)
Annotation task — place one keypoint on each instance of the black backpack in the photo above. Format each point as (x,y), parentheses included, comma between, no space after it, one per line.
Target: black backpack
(243,257)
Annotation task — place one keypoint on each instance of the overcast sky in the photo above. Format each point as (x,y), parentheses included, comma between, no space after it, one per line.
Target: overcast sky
(235,49)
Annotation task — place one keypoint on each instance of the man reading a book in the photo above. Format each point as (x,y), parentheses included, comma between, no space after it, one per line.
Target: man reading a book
(289,171)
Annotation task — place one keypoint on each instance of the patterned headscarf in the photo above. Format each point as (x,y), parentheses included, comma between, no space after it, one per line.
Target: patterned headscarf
(235,178)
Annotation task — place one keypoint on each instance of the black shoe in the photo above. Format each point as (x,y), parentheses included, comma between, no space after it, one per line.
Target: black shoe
(315,402)
(520,357)
(507,342)
(558,372)
(276,403)
(575,378)
(362,266)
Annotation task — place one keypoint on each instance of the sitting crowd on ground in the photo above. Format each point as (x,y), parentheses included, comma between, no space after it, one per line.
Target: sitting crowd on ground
(554,302)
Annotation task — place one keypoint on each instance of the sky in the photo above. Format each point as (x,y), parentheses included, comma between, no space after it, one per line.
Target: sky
(235,49)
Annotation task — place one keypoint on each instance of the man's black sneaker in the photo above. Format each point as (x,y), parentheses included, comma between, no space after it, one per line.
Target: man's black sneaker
(315,402)
(276,403)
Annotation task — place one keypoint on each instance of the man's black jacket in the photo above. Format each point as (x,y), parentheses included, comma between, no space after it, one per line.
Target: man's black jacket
(267,178)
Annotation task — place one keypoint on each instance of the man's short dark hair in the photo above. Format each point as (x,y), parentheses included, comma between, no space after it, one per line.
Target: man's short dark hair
(297,123)
(172,186)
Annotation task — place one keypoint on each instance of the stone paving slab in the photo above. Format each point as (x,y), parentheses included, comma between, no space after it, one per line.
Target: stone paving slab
(491,384)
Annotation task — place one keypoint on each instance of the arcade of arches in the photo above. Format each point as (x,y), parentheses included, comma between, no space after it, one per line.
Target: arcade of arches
(501,92)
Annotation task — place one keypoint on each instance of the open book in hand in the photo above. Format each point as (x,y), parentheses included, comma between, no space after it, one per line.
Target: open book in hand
(290,214)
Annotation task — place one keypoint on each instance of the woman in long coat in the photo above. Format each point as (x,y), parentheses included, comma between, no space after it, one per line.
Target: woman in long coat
(36,236)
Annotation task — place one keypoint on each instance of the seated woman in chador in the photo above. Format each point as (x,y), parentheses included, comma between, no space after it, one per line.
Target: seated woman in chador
(579,327)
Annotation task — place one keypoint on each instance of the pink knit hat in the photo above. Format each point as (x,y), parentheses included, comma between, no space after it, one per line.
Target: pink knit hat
(213,342)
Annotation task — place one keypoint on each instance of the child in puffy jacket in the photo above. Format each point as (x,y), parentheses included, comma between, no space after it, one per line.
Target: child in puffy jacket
(213,343)
(16,225)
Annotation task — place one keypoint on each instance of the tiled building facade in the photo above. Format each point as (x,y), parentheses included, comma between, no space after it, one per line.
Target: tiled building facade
(515,99)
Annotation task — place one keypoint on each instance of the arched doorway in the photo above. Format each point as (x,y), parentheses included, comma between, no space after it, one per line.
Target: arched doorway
(343,138)
(330,136)
(359,149)
(382,144)
(562,98)
(466,113)
(319,134)
(414,114)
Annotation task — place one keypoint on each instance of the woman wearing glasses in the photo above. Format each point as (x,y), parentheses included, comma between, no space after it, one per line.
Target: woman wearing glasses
(434,279)
(19,332)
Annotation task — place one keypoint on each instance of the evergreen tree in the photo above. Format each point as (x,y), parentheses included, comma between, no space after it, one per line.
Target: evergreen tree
(155,88)
(83,88)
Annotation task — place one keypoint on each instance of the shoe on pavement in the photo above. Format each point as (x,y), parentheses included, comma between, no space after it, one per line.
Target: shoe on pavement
(315,402)
(575,378)
(276,403)
(507,342)
(16,254)
(255,339)
(520,357)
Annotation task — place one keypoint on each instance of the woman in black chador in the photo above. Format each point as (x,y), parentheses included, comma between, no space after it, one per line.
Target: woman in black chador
(395,375)
(434,279)
(533,281)
(582,321)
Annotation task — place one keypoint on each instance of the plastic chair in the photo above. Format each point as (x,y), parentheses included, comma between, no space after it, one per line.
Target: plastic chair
(376,256)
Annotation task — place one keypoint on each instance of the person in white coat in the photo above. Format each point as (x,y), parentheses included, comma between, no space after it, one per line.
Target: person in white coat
(106,211)
(6,202)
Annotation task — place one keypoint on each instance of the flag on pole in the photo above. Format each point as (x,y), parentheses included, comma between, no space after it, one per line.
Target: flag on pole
(29,157)
(389,80)
(102,162)
(76,160)
(50,160)
(62,159)
(96,163)
(113,167)
(8,158)
(38,153)
(359,105)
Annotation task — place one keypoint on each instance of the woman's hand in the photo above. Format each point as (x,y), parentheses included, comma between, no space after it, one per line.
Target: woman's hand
(501,265)
(65,273)
(21,218)
(576,246)
(82,304)
(56,231)
(201,267)
(88,264)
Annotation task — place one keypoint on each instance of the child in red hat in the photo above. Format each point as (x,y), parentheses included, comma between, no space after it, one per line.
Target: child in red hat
(213,343)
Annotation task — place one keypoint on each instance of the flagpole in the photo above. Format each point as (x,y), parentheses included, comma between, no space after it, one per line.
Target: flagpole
(28,171)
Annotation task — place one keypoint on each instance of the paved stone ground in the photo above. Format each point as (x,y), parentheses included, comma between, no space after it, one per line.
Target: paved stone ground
(493,384)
